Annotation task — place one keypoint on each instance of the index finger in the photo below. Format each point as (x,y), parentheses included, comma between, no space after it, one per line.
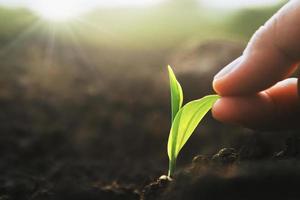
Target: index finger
(271,55)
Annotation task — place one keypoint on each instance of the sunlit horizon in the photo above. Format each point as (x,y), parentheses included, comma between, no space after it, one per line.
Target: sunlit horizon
(70,8)
(61,10)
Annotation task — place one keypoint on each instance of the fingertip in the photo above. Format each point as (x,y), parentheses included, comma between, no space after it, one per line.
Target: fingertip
(215,109)
(221,81)
(224,111)
(215,87)
(248,111)
(220,86)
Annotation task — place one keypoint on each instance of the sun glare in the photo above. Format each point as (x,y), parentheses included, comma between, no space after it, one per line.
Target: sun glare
(62,10)
(57,10)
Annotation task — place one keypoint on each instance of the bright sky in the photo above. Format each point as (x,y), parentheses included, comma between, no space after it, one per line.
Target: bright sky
(234,4)
(63,9)
(83,2)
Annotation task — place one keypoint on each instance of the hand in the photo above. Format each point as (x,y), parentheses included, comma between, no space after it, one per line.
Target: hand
(255,90)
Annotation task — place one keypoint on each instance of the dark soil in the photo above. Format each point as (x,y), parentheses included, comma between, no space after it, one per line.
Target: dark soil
(226,176)
(52,150)
(50,168)
(80,134)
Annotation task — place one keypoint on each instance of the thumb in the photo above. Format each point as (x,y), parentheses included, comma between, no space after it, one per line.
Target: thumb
(270,56)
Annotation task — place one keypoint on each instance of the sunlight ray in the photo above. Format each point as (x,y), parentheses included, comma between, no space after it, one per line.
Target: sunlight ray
(50,45)
(78,47)
(111,36)
(95,27)
(19,38)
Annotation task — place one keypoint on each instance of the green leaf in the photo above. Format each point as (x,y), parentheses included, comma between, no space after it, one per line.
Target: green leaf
(185,122)
(176,94)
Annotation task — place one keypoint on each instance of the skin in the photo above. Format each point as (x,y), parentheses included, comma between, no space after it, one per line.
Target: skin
(255,89)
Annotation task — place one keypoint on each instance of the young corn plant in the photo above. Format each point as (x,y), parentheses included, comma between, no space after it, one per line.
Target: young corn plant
(184,119)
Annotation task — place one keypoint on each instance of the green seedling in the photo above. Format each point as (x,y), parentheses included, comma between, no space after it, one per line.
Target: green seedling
(184,119)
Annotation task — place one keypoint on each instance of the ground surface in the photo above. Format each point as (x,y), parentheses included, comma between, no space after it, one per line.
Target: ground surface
(101,133)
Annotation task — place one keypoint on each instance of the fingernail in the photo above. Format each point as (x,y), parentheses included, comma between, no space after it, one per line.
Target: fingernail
(298,85)
(287,82)
(228,68)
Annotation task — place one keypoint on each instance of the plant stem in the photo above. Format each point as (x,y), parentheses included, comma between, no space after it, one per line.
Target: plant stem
(172,164)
